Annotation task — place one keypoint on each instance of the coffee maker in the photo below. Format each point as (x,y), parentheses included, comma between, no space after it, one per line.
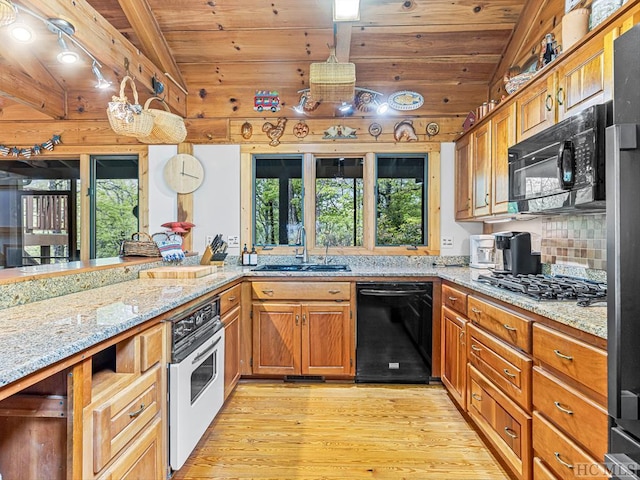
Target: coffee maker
(514,254)
(482,251)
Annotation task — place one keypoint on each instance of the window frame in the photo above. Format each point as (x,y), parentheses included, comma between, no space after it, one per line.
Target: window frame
(366,151)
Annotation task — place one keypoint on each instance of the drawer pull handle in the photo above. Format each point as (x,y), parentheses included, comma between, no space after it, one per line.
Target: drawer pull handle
(563,409)
(231,299)
(137,412)
(268,292)
(453,299)
(334,291)
(475,348)
(548,103)
(475,310)
(509,374)
(297,319)
(476,397)
(510,328)
(562,355)
(304,318)
(510,432)
(568,465)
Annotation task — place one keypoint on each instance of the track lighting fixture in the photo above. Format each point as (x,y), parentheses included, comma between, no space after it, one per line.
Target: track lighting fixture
(299,108)
(101,82)
(65,55)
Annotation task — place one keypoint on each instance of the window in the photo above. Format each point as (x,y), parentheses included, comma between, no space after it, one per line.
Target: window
(277,207)
(401,209)
(339,202)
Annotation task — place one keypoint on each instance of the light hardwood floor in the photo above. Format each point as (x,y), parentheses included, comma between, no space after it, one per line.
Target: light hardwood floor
(340,431)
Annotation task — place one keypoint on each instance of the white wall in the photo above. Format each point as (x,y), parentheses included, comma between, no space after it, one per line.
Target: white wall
(461,231)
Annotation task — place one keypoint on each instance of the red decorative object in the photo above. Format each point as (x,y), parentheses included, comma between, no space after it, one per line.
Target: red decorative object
(469,121)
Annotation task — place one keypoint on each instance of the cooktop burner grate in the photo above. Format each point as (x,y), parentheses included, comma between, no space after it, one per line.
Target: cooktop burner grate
(543,287)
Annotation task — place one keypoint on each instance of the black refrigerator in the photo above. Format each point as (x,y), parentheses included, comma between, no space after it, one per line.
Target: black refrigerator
(623,260)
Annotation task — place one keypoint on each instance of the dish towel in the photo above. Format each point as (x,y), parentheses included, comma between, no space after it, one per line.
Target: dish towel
(170,247)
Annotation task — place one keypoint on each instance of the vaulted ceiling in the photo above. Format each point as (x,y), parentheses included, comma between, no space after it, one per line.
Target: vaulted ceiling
(222,51)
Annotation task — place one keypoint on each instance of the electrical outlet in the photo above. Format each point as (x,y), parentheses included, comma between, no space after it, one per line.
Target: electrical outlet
(233,241)
(446,242)
(208,239)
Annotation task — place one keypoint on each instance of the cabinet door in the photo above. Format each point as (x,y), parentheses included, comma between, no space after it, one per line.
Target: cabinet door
(326,339)
(231,322)
(482,170)
(463,178)
(454,356)
(276,338)
(503,136)
(536,109)
(581,82)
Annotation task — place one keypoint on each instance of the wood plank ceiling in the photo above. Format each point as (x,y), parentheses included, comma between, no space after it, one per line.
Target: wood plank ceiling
(222,51)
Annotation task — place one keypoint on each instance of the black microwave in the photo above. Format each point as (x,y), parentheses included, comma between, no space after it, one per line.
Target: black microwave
(562,168)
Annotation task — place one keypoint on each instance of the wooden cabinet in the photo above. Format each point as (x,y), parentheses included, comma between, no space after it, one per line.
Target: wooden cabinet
(504,324)
(503,136)
(481,172)
(454,355)
(123,420)
(463,178)
(535,109)
(230,315)
(309,334)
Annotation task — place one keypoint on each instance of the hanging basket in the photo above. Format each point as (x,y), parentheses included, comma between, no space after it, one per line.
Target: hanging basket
(8,13)
(167,127)
(331,81)
(129,119)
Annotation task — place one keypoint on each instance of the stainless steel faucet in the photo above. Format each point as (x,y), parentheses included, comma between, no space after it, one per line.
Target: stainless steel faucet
(302,239)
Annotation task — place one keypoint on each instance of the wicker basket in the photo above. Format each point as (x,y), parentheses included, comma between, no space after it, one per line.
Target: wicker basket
(331,81)
(137,247)
(128,119)
(8,13)
(514,83)
(167,127)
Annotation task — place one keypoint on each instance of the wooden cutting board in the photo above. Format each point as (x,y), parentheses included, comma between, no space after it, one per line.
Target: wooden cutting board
(194,271)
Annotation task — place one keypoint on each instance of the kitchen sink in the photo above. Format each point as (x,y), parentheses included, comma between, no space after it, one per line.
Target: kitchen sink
(300,267)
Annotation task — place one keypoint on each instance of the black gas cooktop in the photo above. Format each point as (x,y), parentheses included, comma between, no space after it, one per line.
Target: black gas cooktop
(544,287)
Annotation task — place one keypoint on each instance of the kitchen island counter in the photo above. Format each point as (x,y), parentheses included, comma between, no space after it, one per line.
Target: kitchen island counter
(43,334)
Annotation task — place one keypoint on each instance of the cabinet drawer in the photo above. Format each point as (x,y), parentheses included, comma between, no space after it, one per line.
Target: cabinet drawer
(563,456)
(151,342)
(576,415)
(229,299)
(503,365)
(581,362)
(541,471)
(505,424)
(118,420)
(301,290)
(454,299)
(504,324)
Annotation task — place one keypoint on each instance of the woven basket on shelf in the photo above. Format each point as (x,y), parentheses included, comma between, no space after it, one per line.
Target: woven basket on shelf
(513,84)
(167,127)
(331,81)
(129,119)
(7,13)
(137,247)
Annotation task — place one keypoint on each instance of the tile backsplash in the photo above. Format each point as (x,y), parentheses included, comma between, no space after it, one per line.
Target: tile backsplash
(577,240)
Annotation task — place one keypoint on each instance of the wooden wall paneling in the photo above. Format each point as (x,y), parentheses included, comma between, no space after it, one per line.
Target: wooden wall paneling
(85,216)
(72,132)
(143,190)
(207,130)
(433,229)
(308,173)
(246,201)
(185,204)
(369,207)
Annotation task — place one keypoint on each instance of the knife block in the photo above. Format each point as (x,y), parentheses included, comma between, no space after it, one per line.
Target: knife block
(206,256)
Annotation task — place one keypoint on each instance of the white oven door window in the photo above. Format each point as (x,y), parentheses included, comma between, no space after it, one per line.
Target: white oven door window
(196,394)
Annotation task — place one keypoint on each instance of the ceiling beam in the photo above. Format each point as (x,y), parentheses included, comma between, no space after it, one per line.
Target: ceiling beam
(109,46)
(154,45)
(343,41)
(42,94)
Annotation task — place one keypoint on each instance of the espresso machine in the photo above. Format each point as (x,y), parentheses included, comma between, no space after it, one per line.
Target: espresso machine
(514,254)
(482,251)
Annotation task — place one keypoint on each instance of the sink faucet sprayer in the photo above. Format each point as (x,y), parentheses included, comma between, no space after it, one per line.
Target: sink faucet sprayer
(302,239)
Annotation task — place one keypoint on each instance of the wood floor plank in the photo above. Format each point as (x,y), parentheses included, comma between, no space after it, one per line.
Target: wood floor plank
(340,431)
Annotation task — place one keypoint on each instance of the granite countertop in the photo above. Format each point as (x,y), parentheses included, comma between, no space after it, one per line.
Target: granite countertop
(37,335)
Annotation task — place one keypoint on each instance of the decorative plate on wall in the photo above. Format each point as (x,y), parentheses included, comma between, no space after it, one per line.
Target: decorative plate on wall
(405,100)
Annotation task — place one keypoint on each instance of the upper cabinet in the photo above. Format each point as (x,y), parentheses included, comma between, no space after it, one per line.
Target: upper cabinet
(463,178)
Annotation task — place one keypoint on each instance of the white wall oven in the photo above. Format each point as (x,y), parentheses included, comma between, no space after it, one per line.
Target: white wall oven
(196,376)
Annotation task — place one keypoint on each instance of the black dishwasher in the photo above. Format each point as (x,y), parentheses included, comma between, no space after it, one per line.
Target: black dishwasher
(394,332)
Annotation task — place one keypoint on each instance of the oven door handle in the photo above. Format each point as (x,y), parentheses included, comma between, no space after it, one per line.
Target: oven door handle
(391,293)
(566,165)
(204,353)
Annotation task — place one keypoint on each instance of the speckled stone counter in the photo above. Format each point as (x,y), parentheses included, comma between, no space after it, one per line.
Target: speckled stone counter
(36,335)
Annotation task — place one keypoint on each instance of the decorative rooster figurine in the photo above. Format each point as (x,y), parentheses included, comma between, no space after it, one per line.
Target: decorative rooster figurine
(274,132)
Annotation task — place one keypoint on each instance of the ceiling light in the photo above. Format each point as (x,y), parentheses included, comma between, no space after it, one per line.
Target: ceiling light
(101,83)
(346,10)
(382,108)
(21,32)
(66,55)
(345,107)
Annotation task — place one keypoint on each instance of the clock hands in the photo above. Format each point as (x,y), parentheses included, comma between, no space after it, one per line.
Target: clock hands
(189,175)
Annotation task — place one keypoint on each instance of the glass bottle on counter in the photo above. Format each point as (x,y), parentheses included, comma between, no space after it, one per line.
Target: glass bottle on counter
(245,255)
(253,256)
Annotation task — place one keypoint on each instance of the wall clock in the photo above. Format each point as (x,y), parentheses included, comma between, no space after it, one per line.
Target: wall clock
(183,173)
